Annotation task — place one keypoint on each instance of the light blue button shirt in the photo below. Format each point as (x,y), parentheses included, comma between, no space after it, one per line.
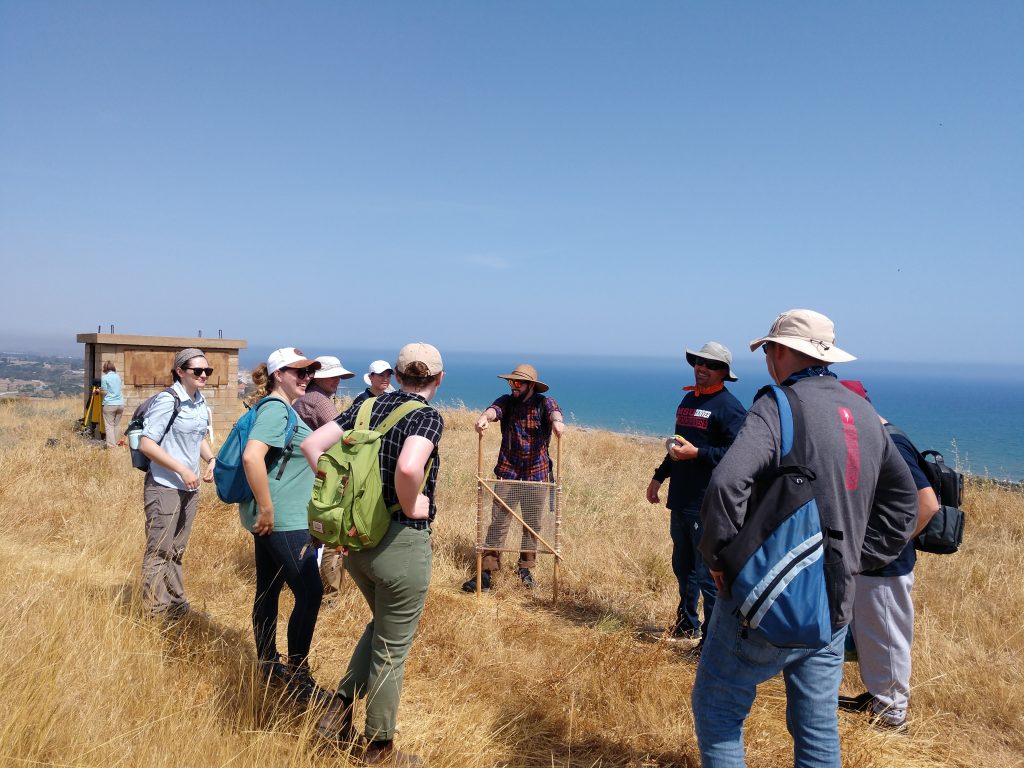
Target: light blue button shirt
(185,436)
(111,384)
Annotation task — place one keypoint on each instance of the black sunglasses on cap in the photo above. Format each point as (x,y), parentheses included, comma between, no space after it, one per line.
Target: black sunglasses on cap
(711,365)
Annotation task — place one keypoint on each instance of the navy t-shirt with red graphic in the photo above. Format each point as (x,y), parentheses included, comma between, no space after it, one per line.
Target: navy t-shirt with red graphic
(711,422)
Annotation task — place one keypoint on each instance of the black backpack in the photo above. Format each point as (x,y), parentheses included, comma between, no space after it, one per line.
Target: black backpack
(945,531)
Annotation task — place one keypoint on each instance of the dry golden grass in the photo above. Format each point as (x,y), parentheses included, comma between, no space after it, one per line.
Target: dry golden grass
(509,680)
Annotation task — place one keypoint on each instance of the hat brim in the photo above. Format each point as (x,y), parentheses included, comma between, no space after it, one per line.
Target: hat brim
(691,356)
(538,386)
(316,365)
(827,353)
(330,373)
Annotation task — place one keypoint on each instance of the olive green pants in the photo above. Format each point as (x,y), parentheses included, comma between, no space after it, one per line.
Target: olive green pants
(393,577)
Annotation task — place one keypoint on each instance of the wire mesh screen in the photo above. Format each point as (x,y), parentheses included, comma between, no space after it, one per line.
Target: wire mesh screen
(506,505)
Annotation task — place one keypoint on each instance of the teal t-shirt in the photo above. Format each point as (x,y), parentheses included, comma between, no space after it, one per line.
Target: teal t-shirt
(291,493)
(111,384)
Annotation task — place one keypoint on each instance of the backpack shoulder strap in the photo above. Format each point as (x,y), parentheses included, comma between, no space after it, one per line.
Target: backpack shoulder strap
(892,429)
(786,422)
(174,413)
(922,461)
(790,421)
(398,414)
(291,429)
(363,414)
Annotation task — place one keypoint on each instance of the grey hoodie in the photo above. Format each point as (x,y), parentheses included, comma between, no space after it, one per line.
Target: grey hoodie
(864,490)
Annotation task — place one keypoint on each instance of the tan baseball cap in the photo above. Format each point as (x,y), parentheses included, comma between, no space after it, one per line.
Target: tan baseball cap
(808,332)
(420,352)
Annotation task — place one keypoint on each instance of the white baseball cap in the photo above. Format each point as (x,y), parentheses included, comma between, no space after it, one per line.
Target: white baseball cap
(288,357)
(378,367)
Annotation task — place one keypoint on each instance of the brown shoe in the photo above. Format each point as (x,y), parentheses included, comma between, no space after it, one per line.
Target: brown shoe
(385,753)
(336,724)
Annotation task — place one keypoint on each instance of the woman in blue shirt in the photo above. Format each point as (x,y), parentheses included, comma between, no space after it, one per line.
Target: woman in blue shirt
(174,445)
(113,404)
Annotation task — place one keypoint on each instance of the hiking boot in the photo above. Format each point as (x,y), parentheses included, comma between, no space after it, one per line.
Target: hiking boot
(336,724)
(861,703)
(274,671)
(385,753)
(485,583)
(303,688)
(526,576)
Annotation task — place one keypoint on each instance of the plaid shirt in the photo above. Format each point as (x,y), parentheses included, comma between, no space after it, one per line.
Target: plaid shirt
(525,435)
(426,422)
(315,407)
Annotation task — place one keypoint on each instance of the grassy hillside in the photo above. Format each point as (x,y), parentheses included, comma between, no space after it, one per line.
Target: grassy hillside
(505,680)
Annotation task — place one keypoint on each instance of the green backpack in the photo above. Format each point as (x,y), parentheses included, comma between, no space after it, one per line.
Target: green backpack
(347,507)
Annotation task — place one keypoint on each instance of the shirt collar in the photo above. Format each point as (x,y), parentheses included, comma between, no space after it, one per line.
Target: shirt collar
(183,393)
(809,372)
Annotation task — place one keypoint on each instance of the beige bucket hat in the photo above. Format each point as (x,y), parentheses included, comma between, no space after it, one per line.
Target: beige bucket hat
(808,332)
(714,351)
(527,373)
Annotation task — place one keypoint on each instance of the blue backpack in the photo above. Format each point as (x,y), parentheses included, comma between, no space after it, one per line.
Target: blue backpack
(774,567)
(228,473)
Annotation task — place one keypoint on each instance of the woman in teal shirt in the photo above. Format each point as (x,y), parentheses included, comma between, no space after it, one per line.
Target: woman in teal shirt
(113,404)
(277,519)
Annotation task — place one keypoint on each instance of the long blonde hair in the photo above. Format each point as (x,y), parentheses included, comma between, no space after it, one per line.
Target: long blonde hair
(263,382)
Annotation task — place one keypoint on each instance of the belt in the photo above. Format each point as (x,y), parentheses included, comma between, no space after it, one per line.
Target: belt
(418,525)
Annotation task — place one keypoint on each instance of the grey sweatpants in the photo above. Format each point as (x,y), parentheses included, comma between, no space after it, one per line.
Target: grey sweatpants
(883,630)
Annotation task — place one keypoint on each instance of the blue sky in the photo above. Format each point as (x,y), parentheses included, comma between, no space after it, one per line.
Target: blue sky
(595,178)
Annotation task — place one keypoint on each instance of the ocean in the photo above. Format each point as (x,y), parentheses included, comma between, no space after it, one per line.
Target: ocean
(975,423)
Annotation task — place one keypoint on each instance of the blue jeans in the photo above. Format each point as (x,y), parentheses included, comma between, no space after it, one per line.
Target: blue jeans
(691,571)
(277,564)
(732,666)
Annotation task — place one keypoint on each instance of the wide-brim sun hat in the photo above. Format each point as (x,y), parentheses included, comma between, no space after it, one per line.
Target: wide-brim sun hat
(808,332)
(289,357)
(714,351)
(330,367)
(527,373)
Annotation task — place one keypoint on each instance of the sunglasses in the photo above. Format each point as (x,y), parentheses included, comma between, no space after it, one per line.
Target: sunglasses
(711,365)
(304,373)
(516,384)
(200,371)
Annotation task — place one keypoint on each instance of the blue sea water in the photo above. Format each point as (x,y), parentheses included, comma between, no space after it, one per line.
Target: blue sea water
(976,423)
